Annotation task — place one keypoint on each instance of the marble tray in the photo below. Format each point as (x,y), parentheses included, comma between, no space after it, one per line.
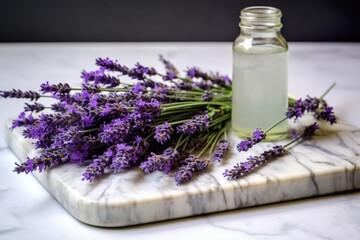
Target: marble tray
(327,164)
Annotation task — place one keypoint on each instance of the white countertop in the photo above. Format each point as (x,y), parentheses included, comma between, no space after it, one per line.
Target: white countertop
(27,210)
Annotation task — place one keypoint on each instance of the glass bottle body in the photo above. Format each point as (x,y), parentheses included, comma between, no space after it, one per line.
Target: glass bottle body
(260,95)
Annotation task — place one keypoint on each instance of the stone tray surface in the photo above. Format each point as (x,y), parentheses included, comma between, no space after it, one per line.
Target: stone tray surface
(327,164)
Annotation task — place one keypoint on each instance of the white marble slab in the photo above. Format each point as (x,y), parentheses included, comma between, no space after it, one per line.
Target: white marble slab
(330,163)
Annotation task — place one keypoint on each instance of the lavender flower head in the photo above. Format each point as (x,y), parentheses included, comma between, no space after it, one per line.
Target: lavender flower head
(163,132)
(110,65)
(309,131)
(207,96)
(96,169)
(23,121)
(221,149)
(190,165)
(318,106)
(171,71)
(251,163)
(40,163)
(163,162)
(123,158)
(36,107)
(139,72)
(20,94)
(245,145)
(198,123)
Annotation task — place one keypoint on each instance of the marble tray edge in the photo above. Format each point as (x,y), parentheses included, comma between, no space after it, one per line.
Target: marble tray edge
(43,179)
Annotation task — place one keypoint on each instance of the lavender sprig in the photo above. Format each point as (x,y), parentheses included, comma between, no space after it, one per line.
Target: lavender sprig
(252,162)
(163,132)
(317,106)
(171,70)
(245,145)
(36,107)
(220,150)
(189,165)
(161,162)
(199,122)
(31,95)
(41,163)
(96,169)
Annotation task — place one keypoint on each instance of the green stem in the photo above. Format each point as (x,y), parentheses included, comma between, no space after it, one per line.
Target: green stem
(183,97)
(216,140)
(90,130)
(179,122)
(177,144)
(293,141)
(328,90)
(210,138)
(191,104)
(186,143)
(220,119)
(274,125)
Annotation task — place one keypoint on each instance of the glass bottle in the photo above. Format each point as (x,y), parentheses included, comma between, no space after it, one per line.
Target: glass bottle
(260,62)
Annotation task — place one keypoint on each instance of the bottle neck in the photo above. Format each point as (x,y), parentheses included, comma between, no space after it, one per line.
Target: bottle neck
(260,19)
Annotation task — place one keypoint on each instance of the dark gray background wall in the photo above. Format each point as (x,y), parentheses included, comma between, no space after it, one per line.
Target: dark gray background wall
(168,20)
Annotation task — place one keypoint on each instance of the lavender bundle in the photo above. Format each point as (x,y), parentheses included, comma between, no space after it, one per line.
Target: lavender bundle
(158,122)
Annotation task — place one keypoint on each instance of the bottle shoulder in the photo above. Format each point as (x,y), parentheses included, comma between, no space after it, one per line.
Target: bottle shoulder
(264,43)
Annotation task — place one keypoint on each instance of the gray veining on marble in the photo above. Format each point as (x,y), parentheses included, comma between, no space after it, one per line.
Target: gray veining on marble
(329,163)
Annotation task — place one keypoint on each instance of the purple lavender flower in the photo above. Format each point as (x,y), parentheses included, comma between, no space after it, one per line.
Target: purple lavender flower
(91,88)
(169,76)
(107,80)
(123,158)
(99,77)
(22,121)
(60,88)
(243,168)
(96,169)
(140,146)
(58,107)
(327,114)
(221,149)
(117,130)
(140,72)
(193,72)
(138,88)
(245,145)
(163,132)
(36,107)
(92,75)
(198,123)
(111,65)
(294,133)
(207,96)
(300,106)
(163,162)
(309,131)
(221,80)
(20,94)
(45,160)
(112,109)
(148,109)
(170,68)
(317,106)
(190,165)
